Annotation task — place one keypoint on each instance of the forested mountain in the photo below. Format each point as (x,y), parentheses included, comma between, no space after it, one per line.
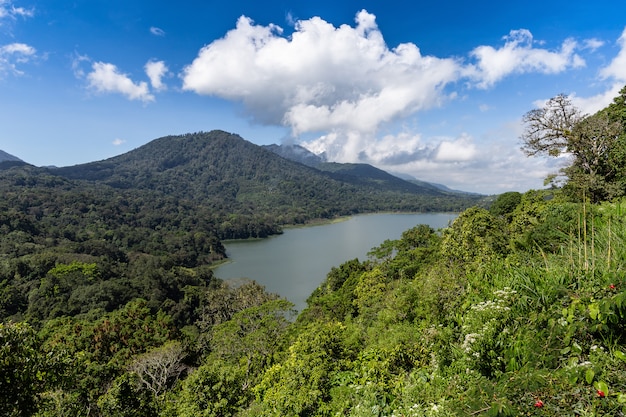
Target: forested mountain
(8,160)
(229,173)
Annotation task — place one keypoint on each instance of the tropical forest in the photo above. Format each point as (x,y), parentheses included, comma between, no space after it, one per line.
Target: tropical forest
(109,305)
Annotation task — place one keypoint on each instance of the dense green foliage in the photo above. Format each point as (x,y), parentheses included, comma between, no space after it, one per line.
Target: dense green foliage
(516,312)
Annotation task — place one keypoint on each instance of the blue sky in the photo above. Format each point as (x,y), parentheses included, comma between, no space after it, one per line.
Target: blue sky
(435,90)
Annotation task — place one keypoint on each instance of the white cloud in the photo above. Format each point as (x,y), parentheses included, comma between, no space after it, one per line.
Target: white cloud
(13,54)
(118,142)
(157,31)
(593,44)
(322,77)
(106,78)
(614,73)
(593,104)
(9,11)
(155,71)
(617,68)
(519,56)
(458,150)
(18,49)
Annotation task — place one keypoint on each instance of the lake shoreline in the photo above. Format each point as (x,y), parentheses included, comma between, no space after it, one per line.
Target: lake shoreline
(295,263)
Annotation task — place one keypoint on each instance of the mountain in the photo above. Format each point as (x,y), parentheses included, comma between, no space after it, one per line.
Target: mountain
(7,157)
(297,153)
(361,173)
(7,160)
(226,172)
(172,201)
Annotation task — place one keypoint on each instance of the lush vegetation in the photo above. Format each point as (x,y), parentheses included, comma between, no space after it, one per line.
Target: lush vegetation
(109,309)
(519,310)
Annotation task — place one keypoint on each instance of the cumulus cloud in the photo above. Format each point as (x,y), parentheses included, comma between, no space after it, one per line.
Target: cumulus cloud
(321,78)
(106,78)
(458,150)
(463,163)
(118,142)
(157,31)
(518,55)
(156,70)
(13,54)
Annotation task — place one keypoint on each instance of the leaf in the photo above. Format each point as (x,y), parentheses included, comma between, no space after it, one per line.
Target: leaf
(601,386)
(620,355)
(594,310)
(589,376)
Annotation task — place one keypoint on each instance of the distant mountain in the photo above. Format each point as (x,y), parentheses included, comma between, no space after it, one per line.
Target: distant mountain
(297,153)
(8,157)
(362,173)
(366,174)
(7,160)
(443,187)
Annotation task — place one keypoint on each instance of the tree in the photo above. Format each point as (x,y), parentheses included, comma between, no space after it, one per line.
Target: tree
(252,337)
(548,130)
(505,204)
(159,368)
(559,128)
(23,370)
(476,237)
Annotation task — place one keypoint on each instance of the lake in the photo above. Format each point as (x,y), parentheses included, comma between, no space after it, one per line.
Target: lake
(295,263)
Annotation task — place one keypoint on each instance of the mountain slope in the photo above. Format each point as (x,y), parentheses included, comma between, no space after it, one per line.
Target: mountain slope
(296,153)
(366,174)
(7,157)
(7,160)
(226,172)
(359,173)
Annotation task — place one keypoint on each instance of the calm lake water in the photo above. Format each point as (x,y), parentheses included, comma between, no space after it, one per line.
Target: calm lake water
(295,263)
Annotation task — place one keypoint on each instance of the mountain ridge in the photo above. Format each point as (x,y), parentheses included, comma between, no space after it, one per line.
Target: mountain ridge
(223,164)
(361,171)
(5,156)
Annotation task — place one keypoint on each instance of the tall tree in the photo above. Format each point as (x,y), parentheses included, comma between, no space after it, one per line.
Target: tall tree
(559,128)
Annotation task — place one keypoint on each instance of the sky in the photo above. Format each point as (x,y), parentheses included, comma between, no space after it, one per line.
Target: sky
(434,90)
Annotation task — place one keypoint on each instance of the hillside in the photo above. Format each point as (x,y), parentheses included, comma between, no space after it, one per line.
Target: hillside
(226,172)
(7,157)
(7,160)
(366,174)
